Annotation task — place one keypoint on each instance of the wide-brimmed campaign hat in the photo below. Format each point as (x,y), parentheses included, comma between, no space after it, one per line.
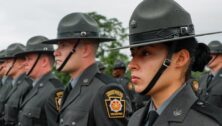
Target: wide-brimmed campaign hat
(78,26)
(159,21)
(215,47)
(35,45)
(2,55)
(13,50)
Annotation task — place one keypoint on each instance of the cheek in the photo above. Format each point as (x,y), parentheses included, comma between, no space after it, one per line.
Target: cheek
(147,71)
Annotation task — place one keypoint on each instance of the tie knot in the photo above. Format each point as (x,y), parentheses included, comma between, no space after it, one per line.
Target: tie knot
(152,116)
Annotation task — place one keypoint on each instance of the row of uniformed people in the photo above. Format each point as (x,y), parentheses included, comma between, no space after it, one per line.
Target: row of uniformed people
(30,96)
(164,51)
(37,96)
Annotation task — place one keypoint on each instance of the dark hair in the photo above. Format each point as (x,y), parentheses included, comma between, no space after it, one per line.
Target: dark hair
(199,53)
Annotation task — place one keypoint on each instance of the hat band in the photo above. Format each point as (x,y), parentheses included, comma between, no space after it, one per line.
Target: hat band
(161,34)
(80,34)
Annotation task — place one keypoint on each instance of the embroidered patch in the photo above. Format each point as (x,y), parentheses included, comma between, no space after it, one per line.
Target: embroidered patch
(58,100)
(115,104)
(195,85)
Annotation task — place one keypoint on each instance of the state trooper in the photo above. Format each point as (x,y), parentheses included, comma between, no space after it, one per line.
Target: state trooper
(211,83)
(118,72)
(164,52)
(6,83)
(87,100)
(41,105)
(1,67)
(21,84)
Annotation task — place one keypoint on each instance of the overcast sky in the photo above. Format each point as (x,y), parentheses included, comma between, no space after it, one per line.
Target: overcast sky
(22,19)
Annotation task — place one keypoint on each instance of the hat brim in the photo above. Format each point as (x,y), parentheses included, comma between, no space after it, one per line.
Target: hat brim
(101,39)
(34,51)
(164,40)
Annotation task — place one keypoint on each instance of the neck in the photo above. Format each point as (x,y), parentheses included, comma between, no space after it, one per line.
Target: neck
(163,94)
(81,69)
(216,68)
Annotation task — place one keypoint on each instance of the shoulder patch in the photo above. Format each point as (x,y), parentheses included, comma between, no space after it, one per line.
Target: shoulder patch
(58,99)
(115,104)
(211,111)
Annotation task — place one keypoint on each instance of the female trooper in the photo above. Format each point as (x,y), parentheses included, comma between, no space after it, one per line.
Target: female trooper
(164,51)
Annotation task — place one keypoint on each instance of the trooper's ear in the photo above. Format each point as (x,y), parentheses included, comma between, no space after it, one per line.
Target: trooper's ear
(181,58)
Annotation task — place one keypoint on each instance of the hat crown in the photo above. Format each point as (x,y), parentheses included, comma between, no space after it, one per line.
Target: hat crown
(35,44)
(215,46)
(14,49)
(154,20)
(119,64)
(77,23)
(152,15)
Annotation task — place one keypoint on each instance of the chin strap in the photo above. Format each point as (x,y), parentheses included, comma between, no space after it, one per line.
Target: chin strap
(163,67)
(14,60)
(69,56)
(33,66)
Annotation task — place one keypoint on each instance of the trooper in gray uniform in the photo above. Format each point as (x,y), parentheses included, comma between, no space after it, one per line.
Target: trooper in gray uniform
(118,73)
(211,83)
(164,52)
(6,83)
(41,105)
(21,84)
(1,67)
(87,100)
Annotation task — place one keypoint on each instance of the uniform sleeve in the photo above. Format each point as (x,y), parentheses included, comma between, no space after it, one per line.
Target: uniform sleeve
(111,107)
(52,107)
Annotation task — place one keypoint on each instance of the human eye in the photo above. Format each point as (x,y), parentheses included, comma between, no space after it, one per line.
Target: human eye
(144,53)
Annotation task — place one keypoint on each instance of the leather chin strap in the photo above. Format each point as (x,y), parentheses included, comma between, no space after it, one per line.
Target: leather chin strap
(163,67)
(14,60)
(33,66)
(69,56)
(211,61)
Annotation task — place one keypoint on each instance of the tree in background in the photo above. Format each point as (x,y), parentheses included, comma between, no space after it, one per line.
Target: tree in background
(110,27)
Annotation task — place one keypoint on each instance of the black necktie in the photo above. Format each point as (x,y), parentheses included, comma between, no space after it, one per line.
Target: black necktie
(153,115)
(209,79)
(67,91)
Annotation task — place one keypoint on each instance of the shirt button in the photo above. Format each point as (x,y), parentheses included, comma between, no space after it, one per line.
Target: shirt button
(29,114)
(61,121)
(19,123)
(73,123)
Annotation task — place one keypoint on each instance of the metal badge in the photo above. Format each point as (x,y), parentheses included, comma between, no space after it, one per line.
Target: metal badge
(85,80)
(177,112)
(83,34)
(133,24)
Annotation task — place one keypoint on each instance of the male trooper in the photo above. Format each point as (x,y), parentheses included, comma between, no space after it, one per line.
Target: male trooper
(41,105)
(6,84)
(118,73)
(87,101)
(1,68)
(211,83)
(21,84)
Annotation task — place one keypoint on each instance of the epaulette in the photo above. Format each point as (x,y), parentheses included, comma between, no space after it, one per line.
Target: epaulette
(56,83)
(105,78)
(211,111)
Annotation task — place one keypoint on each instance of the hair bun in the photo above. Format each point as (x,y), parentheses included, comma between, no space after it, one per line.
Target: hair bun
(202,57)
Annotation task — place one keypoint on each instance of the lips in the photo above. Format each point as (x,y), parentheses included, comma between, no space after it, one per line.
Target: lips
(134,79)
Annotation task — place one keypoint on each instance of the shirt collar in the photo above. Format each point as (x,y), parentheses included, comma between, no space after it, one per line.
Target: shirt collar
(74,82)
(166,103)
